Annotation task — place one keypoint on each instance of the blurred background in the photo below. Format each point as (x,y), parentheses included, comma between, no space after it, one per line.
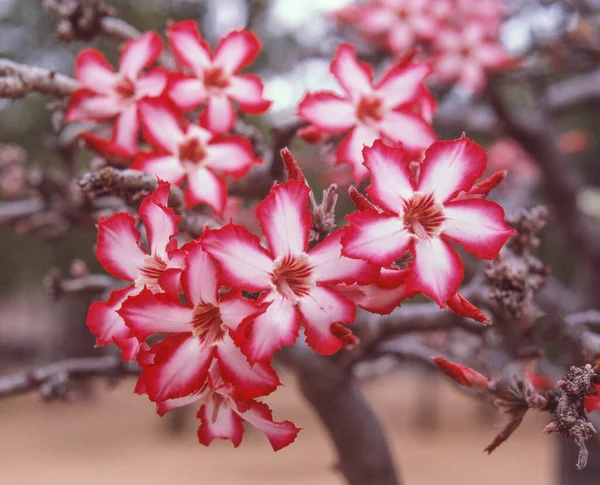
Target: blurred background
(109,435)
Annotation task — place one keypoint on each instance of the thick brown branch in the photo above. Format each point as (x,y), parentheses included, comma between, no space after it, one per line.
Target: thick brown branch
(363,453)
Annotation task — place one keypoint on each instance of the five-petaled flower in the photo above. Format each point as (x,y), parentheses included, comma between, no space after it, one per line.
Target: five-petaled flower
(297,283)
(222,413)
(368,112)
(105,94)
(198,333)
(466,54)
(421,216)
(120,253)
(186,150)
(215,79)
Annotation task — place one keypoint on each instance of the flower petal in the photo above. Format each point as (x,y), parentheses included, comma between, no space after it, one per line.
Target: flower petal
(279,434)
(402,82)
(244,263)
(164,407)
(409,128)
(205,187)
(235,309)
(161,124)
(284,218)
(86,105)
(200,279)
(161,227)
(219,115)
(118,248)
(436,270)
(140,53)
(230,155)
(354,76)
(108,326)
(165,167)
(180,368)
(219,421)
(319,309)
(186,92)
(451,166)
(268,332)
(391,180)
(236,50)
(249,382)
(94,72)
(188,46)
(126,131)
(478,225)
(329,266)
(327,111)
(147,313)
(351,147)
(377,238)
(152,84)
(247,91)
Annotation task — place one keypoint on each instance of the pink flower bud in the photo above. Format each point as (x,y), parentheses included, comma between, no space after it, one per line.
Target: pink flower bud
(462,374)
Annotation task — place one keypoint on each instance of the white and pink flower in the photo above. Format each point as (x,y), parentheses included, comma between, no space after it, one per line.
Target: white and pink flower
(198,333)
(222,414)
(186,151)
(467,53)
(394,109)
(297,283)
(108,95)
(422,216)
(215,79)
(121,255)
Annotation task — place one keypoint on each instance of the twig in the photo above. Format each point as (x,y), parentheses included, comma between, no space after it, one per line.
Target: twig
(52,380)
(17,80)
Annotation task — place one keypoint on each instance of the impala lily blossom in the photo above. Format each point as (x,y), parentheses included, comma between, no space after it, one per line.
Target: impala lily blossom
(191,152)
(462,374)
(216,80)
(298,284)
(466,54)
(121,255)
(222,414)
(198,334)
(422,216)
(105,94)
(368,112)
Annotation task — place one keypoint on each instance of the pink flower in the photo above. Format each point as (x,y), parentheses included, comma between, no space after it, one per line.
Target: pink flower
(215,79)
(368,112)
(188,151)
(222,414)
(106,94)
(298,284)
(198,334)
(121,255)
(462,374)
(403,23)
(421,216)
(465,54)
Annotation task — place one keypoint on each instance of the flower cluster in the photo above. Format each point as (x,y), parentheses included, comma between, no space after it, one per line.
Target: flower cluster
(224,303)
(153,102)
(461,36)
(204,318)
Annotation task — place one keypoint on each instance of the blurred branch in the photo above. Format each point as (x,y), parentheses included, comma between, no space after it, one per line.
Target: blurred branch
(52,380)
(17,80)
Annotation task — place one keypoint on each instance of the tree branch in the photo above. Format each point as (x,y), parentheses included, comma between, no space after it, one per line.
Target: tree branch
(52,380)
(17,80)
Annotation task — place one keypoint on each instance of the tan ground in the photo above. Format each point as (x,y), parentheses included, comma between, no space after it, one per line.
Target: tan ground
(117,439)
